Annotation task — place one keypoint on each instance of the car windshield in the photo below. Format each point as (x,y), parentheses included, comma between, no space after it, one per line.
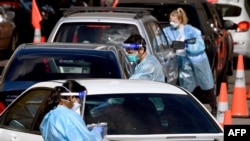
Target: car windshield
(41,67)
(148,114)
(107,33)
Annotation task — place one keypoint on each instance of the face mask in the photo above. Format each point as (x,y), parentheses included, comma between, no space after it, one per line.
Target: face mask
(76,107)
(174,25)
(133,58)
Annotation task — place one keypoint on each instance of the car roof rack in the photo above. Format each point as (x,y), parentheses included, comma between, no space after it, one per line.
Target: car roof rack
(138,10)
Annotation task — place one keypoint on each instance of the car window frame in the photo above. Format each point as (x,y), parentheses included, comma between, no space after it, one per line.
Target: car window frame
(33,127)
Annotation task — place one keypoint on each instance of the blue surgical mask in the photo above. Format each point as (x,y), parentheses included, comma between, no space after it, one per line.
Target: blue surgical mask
(133,58)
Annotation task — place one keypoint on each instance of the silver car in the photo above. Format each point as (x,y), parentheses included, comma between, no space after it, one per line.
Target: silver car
(100,25)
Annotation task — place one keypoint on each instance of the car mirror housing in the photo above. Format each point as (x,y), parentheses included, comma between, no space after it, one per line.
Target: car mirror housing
(228,24)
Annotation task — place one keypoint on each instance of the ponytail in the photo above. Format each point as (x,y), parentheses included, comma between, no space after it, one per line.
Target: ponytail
(180,14)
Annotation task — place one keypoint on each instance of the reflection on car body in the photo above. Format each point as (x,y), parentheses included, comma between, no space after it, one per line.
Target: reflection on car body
(137,111)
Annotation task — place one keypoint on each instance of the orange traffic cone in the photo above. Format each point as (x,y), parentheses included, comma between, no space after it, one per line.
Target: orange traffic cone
(223,103)
(228,118)
(239,101)
(37,36)
(35,20)
(43,39)
(248,95)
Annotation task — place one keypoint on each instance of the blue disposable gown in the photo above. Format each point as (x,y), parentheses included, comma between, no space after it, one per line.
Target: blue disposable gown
(194,67)
(64,124)
(150,69)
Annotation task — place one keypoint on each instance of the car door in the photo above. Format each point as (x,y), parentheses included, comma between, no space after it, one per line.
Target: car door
(162,51)
(21,120)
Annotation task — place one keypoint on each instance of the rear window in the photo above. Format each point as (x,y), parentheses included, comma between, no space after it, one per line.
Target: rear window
(229,10)
(41,68)
(107,33)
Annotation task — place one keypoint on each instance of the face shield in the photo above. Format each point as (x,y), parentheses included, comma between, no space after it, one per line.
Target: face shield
(78,104)
(132,51)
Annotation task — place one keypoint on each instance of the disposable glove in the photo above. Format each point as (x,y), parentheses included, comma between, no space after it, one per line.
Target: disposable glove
(99,129)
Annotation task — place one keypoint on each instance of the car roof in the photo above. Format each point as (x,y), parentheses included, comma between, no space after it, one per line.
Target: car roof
(33,48)
(104,86)
(117,13)
(103,15)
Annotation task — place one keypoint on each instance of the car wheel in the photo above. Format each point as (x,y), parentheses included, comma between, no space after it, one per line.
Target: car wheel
(223,77)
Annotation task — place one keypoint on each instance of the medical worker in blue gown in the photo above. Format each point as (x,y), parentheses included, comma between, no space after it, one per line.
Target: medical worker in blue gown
(194,70)
(62,123)
(147,66)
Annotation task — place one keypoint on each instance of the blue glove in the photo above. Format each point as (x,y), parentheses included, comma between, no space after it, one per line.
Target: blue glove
(99,129)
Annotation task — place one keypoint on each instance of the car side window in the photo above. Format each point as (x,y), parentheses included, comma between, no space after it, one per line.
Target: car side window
(158,40)
(22,113)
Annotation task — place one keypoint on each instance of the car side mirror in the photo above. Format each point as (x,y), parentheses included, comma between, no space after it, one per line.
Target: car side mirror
(228,24)
(178,44)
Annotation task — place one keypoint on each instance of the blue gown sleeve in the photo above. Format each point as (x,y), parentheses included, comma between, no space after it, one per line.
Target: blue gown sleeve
(63,124)
(145,72)
(149,69)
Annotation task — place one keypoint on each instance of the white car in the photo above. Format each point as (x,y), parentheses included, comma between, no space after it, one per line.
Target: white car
(239,12)
(135,110)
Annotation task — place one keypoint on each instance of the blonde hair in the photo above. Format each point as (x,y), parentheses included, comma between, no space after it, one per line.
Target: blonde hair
(180,14)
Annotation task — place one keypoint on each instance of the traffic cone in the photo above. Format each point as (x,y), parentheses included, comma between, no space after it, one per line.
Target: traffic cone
(239,101)
(43,39)
(228,118)
(223,103)
(37,36)
(36,18)
(248,95)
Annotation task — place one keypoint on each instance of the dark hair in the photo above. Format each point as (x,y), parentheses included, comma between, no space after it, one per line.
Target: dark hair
(136,39)
(74,86)
(55,96)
